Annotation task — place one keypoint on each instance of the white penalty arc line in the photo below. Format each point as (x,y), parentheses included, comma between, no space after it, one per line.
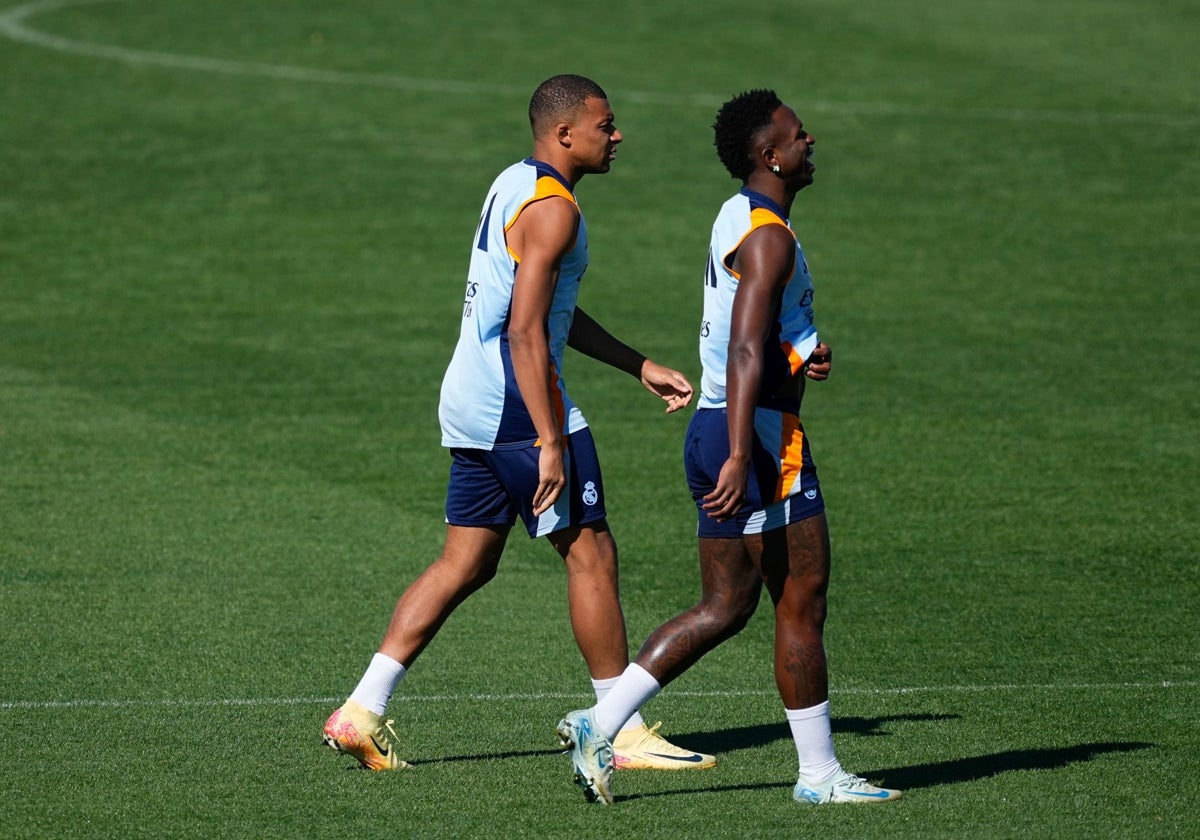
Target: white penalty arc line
(576,697)
(14,26)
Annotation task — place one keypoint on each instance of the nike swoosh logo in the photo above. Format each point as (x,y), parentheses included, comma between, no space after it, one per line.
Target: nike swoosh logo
(382,751)
(883,794)
(691,759)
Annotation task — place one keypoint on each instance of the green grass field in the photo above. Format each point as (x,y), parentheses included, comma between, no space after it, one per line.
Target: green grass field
(232,243)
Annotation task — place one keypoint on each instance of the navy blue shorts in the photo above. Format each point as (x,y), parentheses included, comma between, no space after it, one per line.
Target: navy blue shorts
(782,487)
(494,487)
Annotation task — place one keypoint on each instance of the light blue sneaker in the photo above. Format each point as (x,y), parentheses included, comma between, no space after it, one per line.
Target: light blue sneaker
(845,787)
(591,755)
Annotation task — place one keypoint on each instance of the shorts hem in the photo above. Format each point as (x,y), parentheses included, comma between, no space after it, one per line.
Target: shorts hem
(564,525)
(480,523)
(752,523)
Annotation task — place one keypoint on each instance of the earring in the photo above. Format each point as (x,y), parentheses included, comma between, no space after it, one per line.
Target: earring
(775,169)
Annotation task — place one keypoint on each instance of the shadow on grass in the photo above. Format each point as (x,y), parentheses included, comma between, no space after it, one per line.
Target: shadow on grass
(450,759)
(919,776)
(746,737)
(957,771)
(726,740)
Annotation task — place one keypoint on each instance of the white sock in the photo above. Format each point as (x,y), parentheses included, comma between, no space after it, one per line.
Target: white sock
(622,700)
(602,687)
(377,684)
(814,742)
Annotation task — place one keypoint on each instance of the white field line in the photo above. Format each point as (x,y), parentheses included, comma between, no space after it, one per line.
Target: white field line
(14,26)
(576,696)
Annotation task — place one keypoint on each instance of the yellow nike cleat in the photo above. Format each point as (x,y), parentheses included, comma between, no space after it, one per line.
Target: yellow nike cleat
(642,748)
(359,732)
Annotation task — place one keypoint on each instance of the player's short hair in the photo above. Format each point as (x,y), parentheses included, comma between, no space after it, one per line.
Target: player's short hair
(560,98)
(737,125)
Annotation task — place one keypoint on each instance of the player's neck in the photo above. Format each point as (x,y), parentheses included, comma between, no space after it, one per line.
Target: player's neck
(562,163)
(773,188)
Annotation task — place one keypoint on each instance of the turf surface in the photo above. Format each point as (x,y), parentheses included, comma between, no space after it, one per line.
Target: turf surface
(232,240)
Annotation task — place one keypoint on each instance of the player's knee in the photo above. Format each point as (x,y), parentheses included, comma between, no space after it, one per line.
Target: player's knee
(728,616)
(741,615)
(483,575)
(466,574)
(805,609)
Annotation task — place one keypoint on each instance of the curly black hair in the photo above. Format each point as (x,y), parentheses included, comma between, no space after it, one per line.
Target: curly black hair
(560,97)
(738,122)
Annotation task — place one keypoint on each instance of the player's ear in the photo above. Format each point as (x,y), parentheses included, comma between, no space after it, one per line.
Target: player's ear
(562,132)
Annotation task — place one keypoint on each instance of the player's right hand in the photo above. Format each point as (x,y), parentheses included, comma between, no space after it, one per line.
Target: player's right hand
(551,478)
(730,493)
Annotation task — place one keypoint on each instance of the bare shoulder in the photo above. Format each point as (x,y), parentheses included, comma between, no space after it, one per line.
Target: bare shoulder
(773,236)
(548,224)
(768,252)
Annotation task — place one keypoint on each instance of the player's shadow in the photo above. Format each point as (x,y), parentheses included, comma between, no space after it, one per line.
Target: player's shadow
(917,776)
(955,771)
(726,740)
(746,737)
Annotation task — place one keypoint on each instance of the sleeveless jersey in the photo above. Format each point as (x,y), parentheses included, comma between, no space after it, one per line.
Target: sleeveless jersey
(792,337)
(481,406)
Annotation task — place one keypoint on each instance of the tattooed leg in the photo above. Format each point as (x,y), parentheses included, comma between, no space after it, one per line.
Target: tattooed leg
(730,586)
(795,565)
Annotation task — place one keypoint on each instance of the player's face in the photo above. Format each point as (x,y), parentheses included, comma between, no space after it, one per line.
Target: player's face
(793,148)
(594,137)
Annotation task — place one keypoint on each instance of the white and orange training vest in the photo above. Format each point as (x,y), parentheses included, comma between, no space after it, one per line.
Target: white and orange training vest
(481,406)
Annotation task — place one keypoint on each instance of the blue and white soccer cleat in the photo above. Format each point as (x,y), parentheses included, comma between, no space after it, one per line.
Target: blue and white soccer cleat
(845,787)
(591,755)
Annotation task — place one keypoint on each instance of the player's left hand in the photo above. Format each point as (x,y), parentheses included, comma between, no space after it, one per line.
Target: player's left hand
(669,384)
(819,363)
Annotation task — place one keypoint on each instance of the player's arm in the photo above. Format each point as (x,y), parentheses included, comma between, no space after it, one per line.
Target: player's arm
(764,263)
(540,237)
(591,339)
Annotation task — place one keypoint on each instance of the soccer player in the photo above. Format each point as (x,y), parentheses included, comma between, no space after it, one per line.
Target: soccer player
(519,446)
(761,513)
